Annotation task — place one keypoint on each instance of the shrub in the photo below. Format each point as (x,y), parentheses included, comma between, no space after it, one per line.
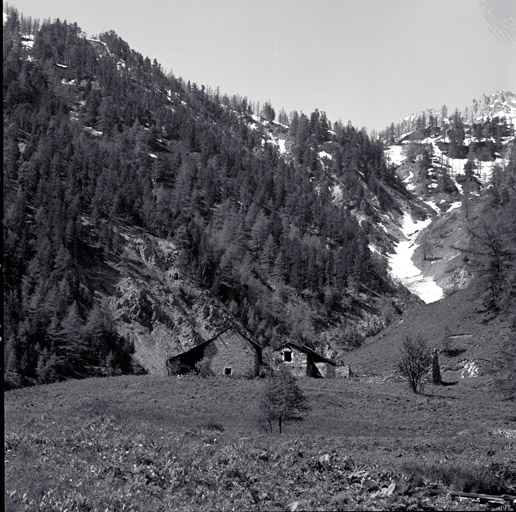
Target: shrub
(414,361)
(214,426)
(473,478)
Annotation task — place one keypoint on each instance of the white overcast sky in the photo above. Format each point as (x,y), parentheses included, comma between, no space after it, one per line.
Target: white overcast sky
(368,61)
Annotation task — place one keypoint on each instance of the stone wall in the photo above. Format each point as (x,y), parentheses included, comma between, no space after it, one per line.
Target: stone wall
(326,370)
(344,372)
(231,354)
(298,364)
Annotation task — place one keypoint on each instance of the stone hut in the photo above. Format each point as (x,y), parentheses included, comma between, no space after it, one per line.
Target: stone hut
(305,362)
(230,353)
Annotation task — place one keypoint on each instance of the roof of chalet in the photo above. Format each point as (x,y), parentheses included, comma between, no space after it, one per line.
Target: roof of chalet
(213,338)
(307,350)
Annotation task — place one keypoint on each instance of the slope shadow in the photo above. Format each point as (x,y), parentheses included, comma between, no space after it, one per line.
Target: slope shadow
(97,271)
(450,383)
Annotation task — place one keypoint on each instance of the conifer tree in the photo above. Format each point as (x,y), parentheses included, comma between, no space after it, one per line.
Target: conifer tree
(436,369)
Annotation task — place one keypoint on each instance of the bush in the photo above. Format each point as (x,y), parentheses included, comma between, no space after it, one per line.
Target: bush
(414,361)
(214,426)
(474,478)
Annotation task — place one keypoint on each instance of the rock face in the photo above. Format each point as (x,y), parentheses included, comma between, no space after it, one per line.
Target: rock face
(155,305)
(499,104)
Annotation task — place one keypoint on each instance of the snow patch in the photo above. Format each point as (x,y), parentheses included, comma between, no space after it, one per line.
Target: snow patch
(336,194)
(454,206)
(432,203)
(92,131)
(403,268)
(469,370)
(324,154)
(380,225)
(407,181)
(280,143)
(395,154)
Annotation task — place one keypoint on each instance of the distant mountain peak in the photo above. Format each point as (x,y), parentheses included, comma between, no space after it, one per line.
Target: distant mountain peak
(498,104)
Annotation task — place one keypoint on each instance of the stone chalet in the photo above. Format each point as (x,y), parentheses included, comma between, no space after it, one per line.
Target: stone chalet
(230,353)
(305,362)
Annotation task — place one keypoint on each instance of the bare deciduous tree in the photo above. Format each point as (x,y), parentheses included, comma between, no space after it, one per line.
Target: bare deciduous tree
(414,361)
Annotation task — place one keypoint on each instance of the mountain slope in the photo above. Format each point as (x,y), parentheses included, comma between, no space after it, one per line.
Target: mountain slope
(466,245)
(147,210)
(469,343)
(454,168)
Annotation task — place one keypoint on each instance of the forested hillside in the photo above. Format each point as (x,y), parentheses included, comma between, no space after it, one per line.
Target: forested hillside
(270,218)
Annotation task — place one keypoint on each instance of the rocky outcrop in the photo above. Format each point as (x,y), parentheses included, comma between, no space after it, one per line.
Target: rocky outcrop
(499,104)
(156,305)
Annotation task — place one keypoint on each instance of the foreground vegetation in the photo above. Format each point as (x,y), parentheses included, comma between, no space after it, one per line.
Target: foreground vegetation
(152,443)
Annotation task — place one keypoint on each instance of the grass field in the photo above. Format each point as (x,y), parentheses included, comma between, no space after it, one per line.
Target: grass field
(163,443)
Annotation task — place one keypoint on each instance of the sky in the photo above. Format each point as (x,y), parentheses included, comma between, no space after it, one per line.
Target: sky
(371,62)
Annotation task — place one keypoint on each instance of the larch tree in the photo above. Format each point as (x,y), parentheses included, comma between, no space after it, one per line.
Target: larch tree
(282,400)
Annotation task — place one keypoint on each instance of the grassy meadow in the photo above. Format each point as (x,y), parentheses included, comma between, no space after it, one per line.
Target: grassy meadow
(151,443)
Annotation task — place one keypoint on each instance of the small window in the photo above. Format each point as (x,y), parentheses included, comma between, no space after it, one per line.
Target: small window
(287,356)
(228,371)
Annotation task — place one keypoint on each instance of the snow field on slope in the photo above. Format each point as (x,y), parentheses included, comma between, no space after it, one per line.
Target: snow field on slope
(403,268)
(394,153)
(483,172)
